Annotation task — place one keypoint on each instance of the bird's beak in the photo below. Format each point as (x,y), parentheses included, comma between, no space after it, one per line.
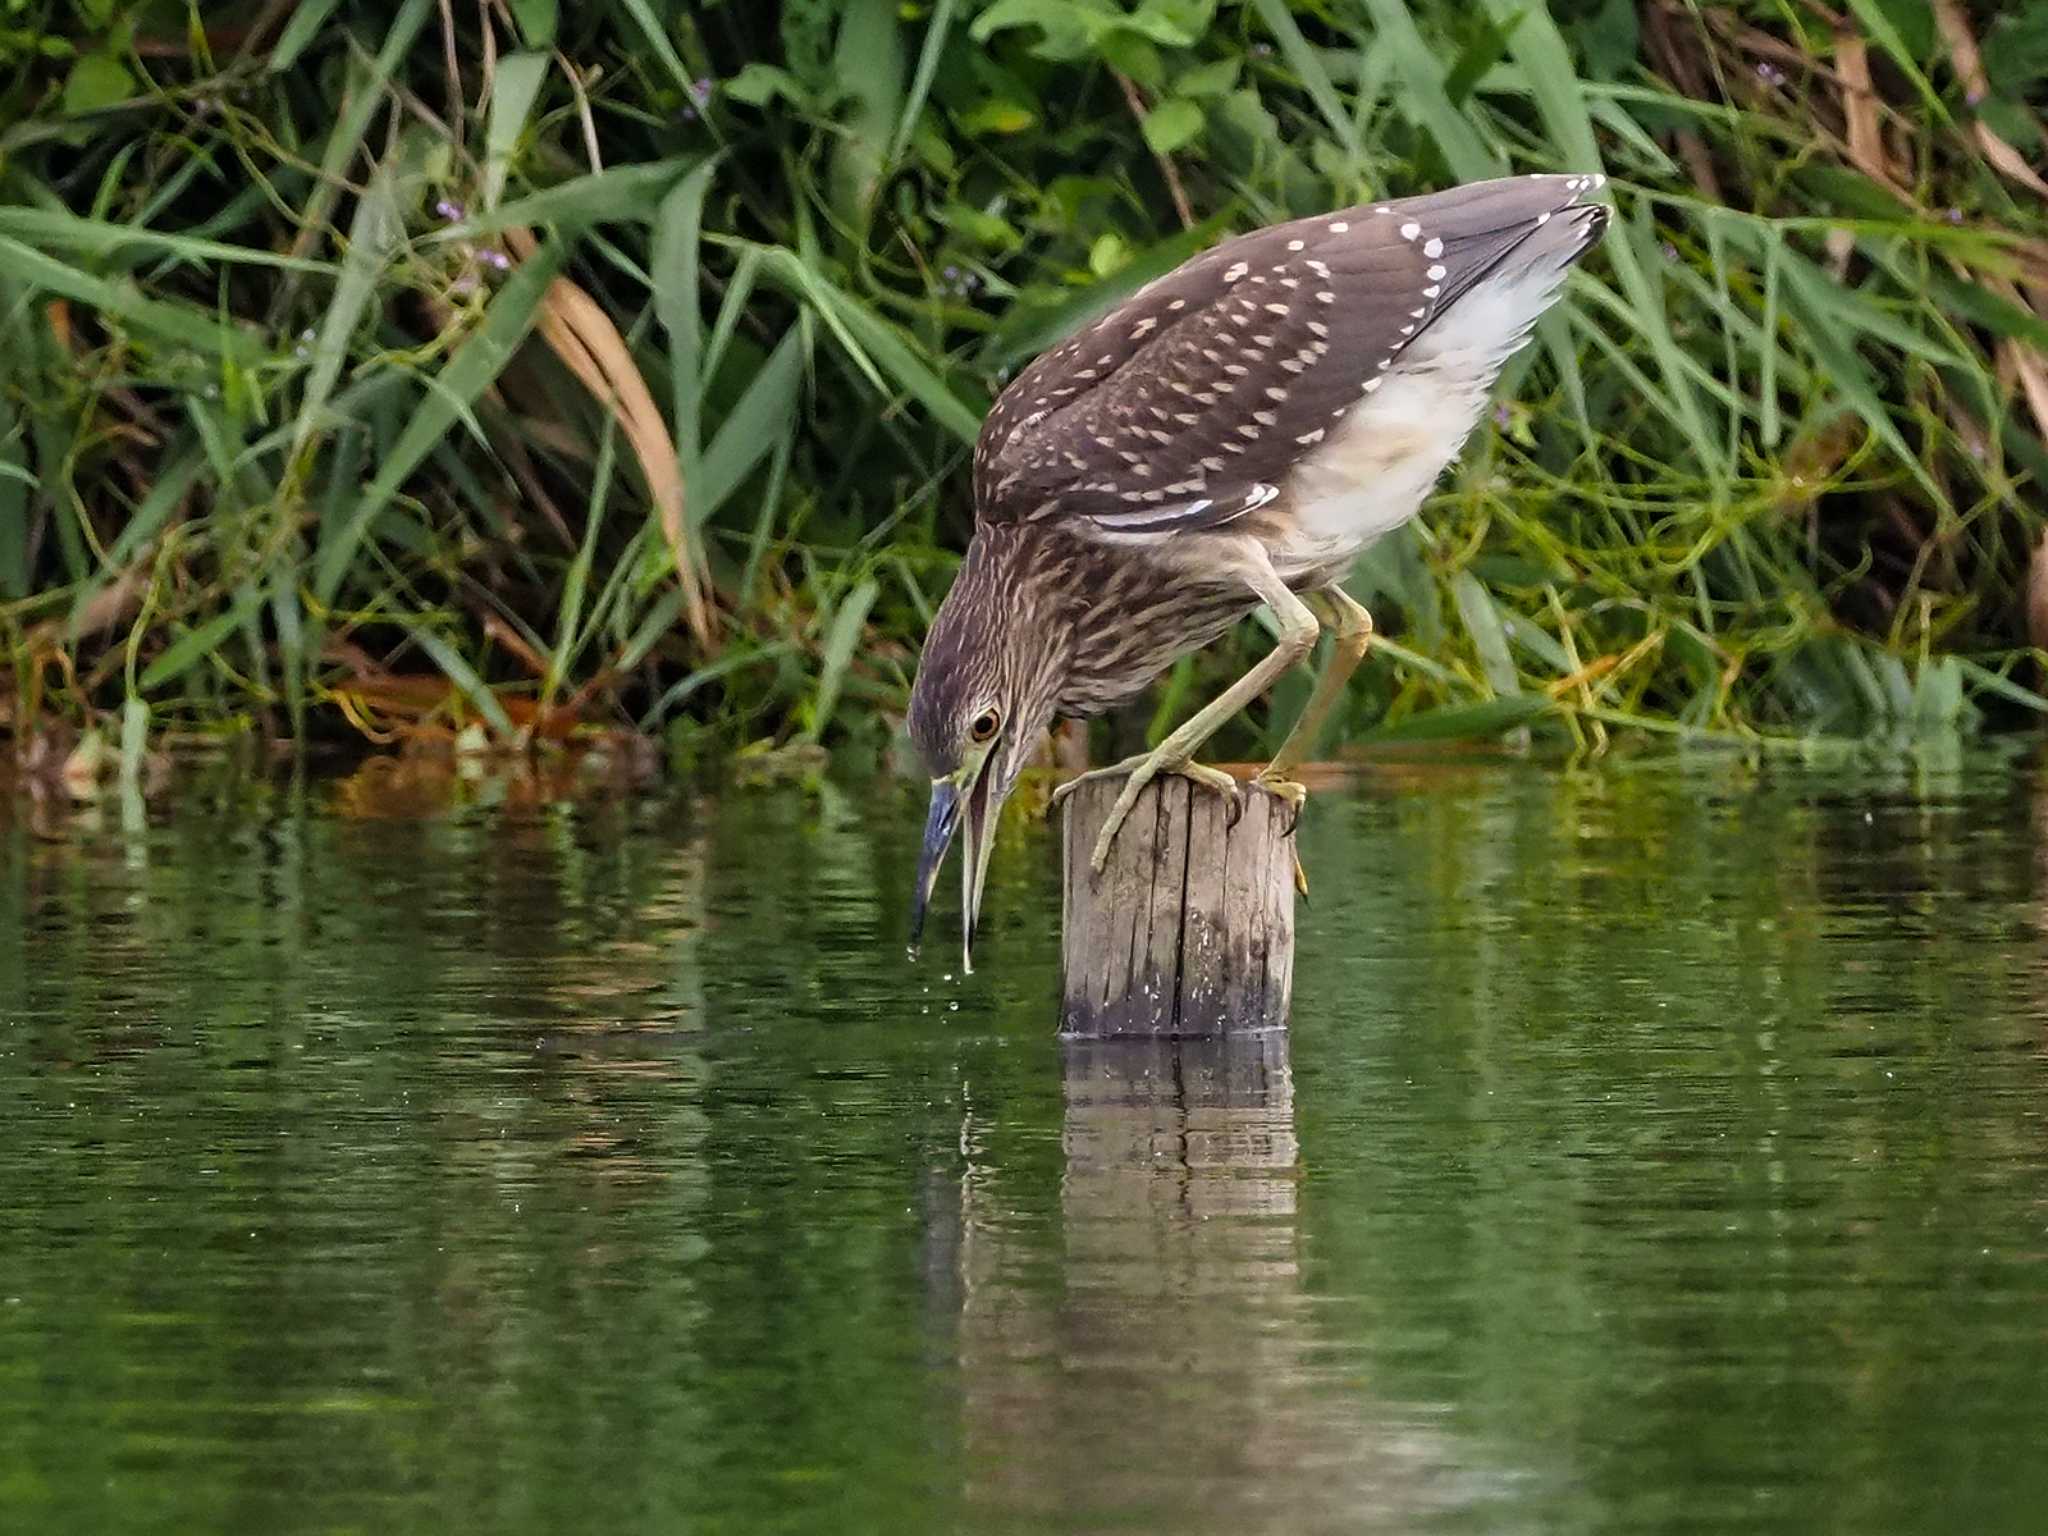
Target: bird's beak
(981,842)
(939,826)
(950,806)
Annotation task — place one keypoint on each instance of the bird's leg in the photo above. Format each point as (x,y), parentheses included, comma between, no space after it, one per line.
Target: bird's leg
(1173,755)
(1351,636)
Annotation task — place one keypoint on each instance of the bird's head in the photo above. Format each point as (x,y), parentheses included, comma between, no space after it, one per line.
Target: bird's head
(985,691)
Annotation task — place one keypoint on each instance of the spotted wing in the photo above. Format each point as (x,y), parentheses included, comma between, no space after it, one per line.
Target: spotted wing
(1188,406)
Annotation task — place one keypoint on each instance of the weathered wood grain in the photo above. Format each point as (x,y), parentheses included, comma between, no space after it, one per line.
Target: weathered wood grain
(1190,930)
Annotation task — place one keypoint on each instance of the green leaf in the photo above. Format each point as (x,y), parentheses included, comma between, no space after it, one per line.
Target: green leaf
(363,97)
(998,116)
(1214,79)
(840,643)
(1170,125)
(758,84)
(622,195)
(651,28)
(463,676)
(537,19)
(514,88)
(308,17)
(1823,318)
(760,418)
(1138,57)
(58,229)
(869,63)
(375,235)
(97,81)
(195,645)
(167,319)
(1068,30)
(1308,69)
(876,347)
(678,296)
(166,492)
(1423,99)
(1489,636)
(936,31)
(475,365)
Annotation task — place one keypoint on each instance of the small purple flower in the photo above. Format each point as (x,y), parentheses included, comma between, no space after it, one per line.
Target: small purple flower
(497,259)
(1670,251)
(1954,215)
(451,211)
(1501,417)
(1769,73)
(1975,96)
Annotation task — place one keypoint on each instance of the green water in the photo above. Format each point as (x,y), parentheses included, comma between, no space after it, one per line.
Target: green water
(1657,1148)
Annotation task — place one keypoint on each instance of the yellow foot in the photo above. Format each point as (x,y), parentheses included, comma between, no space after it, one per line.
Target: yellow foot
(1141,771)
(1296,795)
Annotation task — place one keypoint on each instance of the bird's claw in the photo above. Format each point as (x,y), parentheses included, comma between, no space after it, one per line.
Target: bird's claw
(1296,796)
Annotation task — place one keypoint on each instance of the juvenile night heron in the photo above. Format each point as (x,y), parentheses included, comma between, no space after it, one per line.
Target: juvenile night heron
(1233,435)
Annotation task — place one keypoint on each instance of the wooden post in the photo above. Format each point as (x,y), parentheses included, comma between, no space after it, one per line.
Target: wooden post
(1190,929)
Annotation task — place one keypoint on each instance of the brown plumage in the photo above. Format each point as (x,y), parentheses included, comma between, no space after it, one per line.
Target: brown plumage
(1233,435)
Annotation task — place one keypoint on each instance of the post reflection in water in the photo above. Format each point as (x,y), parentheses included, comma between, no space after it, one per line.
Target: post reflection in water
(1173,1365)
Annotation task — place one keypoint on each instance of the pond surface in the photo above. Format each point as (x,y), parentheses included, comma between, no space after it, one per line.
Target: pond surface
(1661,1147)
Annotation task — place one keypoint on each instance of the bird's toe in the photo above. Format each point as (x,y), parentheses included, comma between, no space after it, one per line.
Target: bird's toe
(1295,795)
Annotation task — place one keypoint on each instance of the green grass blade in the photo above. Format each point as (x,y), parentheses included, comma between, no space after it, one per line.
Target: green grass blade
(1423,98)
(465,678)
(1308,69)
(676,268)
(514,88)
(165,318)
(841,641)
(761,418)
(475,364)
(375,236)
(54,230)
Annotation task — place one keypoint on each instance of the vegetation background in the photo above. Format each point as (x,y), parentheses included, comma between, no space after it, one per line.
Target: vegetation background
(512,370)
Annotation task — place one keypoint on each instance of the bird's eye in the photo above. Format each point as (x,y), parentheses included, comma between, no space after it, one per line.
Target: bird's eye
(984,726)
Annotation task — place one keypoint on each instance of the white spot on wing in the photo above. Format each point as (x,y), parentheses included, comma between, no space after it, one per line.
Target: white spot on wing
(1379,463)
